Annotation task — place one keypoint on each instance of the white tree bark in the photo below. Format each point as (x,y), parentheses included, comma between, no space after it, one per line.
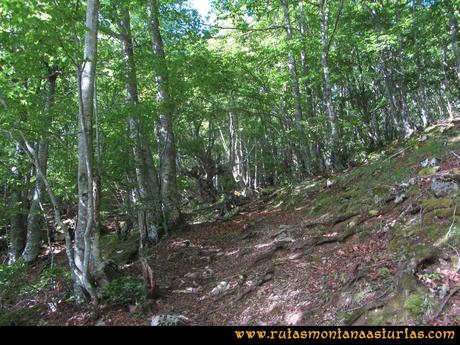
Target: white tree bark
(86,233)
(167,149)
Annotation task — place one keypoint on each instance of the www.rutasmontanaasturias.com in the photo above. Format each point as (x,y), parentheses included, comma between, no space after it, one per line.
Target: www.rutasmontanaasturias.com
(289,334)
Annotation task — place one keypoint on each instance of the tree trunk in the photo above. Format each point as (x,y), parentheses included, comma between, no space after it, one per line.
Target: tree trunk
(421,97)
(394,126)
(167,149)
(235,157)
(87,258)
(17,231)
(304,153)
(309,112)
(453,30)
(401,84)
(149,213)
(334,158)
(35,217)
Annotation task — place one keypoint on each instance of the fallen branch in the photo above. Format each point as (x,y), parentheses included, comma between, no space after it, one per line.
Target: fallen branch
(447,235)
(444,303)
(399,152)
(455,155)
(316,223)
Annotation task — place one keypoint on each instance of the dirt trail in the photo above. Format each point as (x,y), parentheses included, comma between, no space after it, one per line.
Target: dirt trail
(260,257)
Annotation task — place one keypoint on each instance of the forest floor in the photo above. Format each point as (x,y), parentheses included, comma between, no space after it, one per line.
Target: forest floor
(376,247)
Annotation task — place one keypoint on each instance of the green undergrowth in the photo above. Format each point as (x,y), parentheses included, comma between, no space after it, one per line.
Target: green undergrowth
(123,291)
(120,251)
(30,316)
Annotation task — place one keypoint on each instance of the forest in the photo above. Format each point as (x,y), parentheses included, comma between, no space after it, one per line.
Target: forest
(272,162)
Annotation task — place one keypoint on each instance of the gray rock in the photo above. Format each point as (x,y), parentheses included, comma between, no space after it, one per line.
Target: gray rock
(401,188)
(283,238)
(423,138)
(400,198)
(407,184)
(169,320)
(222,287)
(442,186)
(100,323)
(429,163)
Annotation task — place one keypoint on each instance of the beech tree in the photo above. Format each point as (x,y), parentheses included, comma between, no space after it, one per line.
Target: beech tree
(167,147)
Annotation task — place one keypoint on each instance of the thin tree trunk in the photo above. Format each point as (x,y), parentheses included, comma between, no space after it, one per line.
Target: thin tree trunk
(77,275)
(86,233)
(454,36)
(421,97)
(327,91)
(235,157)
(401,84)
(18,230)
(167,149)
(295,90)
(309,111)
(35,217)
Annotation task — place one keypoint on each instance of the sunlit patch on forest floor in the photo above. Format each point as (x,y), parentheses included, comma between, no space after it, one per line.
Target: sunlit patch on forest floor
(375,247)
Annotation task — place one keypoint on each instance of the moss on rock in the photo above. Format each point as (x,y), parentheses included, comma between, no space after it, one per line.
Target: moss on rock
(428,171)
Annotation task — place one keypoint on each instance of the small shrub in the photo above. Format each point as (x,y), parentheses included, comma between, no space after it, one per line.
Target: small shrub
(123,290)
(416,304)
(13,278)
(49,276)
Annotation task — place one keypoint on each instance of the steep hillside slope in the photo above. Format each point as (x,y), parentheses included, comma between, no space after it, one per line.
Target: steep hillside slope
(377,244)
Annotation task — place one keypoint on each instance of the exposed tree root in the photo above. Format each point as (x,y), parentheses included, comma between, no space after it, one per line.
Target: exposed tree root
(343,218)
(330,221)
(267,276)
(372,305)
(308,246)
(149,278)
(269,253)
